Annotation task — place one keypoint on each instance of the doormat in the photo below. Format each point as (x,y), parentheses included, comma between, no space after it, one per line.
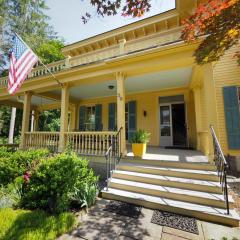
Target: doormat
(179,147)
(184,223)
(125,209)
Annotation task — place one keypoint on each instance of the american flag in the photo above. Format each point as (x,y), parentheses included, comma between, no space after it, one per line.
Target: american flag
(22,59)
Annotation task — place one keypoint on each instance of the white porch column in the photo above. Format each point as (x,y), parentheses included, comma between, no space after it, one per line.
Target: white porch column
(12,125)
(121,110)
(25,119)
(32,120)
(64,117)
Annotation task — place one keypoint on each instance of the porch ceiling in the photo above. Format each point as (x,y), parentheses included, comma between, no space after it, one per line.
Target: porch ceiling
(143,83)
(36,100)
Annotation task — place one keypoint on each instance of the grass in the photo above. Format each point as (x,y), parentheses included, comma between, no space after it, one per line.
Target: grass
(33,225)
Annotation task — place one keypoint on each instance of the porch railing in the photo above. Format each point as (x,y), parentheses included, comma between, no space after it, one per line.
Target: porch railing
(87,143)
(49,140)
(113,156)
(221,165)
(90,143)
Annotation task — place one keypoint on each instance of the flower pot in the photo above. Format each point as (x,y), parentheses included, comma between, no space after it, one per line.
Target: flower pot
(139,149)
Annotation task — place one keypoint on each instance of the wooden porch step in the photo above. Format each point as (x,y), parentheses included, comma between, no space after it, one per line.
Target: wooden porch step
(177,182)
(167,171)
(204,198)
(208,213)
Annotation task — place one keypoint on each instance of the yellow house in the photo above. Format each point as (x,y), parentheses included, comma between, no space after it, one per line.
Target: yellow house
(139,76)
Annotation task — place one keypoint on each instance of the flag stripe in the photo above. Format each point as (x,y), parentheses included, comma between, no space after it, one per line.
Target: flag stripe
(23,75)
(22,60)
(24,63)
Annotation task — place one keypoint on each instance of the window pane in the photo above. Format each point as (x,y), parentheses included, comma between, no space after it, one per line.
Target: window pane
(165,115)
(165,131)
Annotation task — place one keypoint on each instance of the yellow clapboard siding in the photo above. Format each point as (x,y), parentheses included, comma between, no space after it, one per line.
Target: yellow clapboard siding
(226,73)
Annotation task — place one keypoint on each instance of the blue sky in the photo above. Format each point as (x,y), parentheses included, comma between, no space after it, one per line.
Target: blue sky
(65,16)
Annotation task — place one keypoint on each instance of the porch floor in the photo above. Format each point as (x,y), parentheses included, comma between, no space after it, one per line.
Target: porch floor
(175,155)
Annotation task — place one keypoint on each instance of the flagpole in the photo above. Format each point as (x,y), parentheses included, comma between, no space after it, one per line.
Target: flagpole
(41,62)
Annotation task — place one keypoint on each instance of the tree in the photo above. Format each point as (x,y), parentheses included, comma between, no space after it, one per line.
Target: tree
(50,120)
(27,18)
(134,8)
(50,51)
(217,20)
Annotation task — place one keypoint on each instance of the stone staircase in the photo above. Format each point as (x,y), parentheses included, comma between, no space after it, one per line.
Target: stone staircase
(191,189)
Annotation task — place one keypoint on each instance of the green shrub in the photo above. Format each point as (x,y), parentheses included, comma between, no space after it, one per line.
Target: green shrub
(54,182)
(5,152)
(84,195)
(10,195)
(17,163)
(140,136)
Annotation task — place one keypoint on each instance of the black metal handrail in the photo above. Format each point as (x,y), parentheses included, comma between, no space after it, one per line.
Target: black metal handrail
(113,156)
(221,165)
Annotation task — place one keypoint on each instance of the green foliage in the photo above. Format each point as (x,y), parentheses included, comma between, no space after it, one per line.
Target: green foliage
(85,194)
(28,19)
(5,117)
(54,182)
(141,136)
(50,120)
(5,152)
(33,225)
(18,163)
(50,51)
(11,194)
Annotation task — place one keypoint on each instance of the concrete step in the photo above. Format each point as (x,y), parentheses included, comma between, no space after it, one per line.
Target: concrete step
(166,171)
(171,164)
(202,212)
(208,199)
(177,182)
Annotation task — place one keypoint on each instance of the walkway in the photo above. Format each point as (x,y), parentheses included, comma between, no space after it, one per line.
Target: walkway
(104,225)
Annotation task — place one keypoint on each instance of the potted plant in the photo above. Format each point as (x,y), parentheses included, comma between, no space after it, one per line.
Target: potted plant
(139,142)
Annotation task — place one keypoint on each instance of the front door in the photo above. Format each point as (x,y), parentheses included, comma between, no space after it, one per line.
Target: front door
(165,125)
(172,125)
(179,124)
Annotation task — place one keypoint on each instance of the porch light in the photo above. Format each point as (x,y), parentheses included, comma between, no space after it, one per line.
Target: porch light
(111,87)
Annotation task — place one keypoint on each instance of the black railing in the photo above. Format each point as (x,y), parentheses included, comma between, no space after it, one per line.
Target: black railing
(221,165)
(113,156)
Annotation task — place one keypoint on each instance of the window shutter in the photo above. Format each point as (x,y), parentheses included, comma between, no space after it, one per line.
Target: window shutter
(98,117)
(82,113)
(232,116)
(132,119)
(111,116)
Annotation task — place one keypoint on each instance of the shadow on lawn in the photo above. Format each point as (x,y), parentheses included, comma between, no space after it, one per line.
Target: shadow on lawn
(39,225)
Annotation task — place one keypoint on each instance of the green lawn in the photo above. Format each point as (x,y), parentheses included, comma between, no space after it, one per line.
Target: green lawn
(33,225)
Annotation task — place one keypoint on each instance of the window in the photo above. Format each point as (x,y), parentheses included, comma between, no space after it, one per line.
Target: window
(90,119)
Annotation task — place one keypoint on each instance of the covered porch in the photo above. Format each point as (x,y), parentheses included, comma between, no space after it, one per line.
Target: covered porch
(103,104)
(96,115)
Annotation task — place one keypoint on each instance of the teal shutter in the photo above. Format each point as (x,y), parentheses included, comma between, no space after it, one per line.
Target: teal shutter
(132,119)
(98,117)
(111,116)
(82,113)
(232,116)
